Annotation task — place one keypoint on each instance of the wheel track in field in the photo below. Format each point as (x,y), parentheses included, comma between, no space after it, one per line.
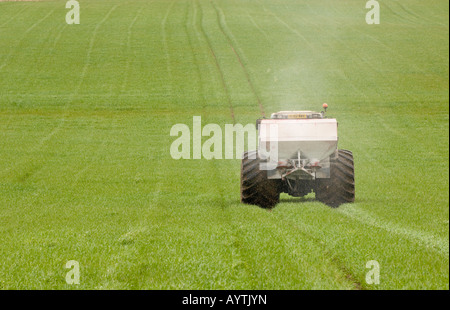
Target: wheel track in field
(421,238)
(57,38)
(35,167)
(384,45)
(411,15)
(12,50)
(358,90)
(128,50)
(88,163)
(82,76)
(193,24)
(190,24)
(405,18)
(166,47)
(341,43)
(232,42)
(216,61)
(14,16)
(292,30)
(87,63)
(91,46)
(154,197)
(391,50)
(26,174)
(411,19)
(363,60)
(102,145)
(51,50)
(321,244)
(235,253)
(299,35)
(281,21)
(252,20)
(373,69)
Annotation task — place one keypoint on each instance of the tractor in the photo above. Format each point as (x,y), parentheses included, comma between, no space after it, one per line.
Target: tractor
(297,154)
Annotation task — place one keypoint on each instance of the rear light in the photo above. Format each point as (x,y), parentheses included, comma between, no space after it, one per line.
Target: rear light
(284,164)
(315,164)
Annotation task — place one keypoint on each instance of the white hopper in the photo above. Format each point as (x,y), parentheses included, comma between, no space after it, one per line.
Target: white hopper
(316,139)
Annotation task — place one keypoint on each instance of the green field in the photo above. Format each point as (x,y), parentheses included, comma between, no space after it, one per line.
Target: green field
(85,166)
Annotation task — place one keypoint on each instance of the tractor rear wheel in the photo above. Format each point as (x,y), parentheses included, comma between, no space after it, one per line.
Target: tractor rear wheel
(340,187)
(256,188)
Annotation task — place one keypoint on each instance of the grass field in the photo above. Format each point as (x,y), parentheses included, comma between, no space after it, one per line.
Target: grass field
(85,166)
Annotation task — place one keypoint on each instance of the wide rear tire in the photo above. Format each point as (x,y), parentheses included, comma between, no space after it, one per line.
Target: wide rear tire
(340,187)
(256,188)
